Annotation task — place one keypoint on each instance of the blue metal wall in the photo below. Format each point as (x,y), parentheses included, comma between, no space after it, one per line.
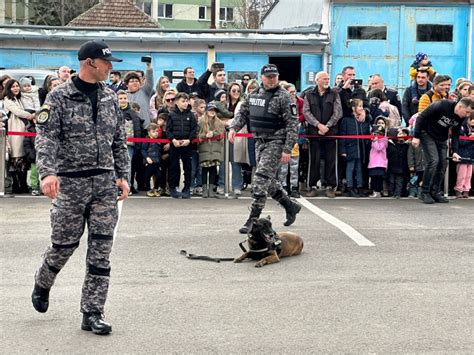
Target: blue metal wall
(51,59)
(392,57)
(243,62)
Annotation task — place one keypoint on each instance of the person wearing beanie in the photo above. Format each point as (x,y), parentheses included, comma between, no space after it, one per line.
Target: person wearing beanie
(220,103)
(29,97)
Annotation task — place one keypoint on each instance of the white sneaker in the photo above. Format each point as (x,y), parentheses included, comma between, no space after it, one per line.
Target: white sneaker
(375,195)
(237,192)
(220,190)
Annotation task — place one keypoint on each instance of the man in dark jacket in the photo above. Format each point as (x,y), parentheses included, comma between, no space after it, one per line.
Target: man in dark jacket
(376,82)
(181,129)
(410,103)
(431,130)
(189,84)
(206,91)
(322,111)
(348,91)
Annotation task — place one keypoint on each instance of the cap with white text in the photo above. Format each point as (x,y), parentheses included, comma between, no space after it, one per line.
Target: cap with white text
(96,49)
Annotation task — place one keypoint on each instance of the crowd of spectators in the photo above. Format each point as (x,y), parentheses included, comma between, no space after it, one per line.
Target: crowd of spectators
(190,122)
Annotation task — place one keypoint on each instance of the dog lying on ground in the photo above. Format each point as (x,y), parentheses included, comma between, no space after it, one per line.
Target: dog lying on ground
(268,246)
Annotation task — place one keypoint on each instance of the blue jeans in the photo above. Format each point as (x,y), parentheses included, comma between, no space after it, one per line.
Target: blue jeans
(196,176)
(354,165)
(131,153)
(237,177)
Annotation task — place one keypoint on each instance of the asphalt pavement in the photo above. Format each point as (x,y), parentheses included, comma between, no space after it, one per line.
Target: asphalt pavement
(410,292)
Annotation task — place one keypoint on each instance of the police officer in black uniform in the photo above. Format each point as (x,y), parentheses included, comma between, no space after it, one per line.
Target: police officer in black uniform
(272,118)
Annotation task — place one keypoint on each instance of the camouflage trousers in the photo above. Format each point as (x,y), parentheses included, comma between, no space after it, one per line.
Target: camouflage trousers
(81,201)
(292,169)
(268,156)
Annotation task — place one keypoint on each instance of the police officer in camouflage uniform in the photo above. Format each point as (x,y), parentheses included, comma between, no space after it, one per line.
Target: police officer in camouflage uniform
(82,159)
(272,118)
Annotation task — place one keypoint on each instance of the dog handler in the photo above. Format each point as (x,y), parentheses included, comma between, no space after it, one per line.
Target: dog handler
(432,129)
(82,159)
(273,121)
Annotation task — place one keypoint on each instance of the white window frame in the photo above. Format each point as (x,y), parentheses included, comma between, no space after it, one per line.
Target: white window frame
(206,12)
(141,6)
(226,9)
(164,7)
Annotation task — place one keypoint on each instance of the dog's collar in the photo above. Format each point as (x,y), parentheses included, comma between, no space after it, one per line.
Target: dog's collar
(276,243)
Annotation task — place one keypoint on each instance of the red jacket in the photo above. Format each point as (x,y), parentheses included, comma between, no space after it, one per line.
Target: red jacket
(299,106)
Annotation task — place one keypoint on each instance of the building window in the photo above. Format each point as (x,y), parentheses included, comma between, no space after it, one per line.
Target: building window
(226,14)
(165,11)
(205,13)
(367,32)
(434,33)
(144,6)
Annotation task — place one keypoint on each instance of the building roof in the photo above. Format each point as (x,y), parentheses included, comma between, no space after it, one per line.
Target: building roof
(114,13)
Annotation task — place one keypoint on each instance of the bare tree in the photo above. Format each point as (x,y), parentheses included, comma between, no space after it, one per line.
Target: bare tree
(56,12)
(249,13)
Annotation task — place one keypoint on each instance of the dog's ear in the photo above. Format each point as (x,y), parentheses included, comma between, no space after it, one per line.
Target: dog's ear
(269,218)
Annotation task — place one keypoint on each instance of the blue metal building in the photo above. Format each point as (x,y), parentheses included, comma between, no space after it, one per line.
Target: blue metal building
(374,36)
(384,37)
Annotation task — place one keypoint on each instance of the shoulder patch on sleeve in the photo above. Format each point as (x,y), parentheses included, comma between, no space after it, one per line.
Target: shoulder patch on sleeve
(294,112)
(43,115)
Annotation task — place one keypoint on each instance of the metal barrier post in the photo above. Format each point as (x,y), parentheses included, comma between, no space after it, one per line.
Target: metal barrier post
(3,149)
(446,175)
(226,164)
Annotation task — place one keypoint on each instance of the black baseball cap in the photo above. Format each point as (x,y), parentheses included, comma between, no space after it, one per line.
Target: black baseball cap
(96,49)
(269,69)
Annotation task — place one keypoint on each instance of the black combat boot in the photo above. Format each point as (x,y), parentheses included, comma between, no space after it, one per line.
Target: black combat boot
(254,213)
(40,298)
(292,208)
(95,322)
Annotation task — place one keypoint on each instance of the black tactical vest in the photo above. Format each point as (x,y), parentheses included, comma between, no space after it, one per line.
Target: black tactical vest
(260,120)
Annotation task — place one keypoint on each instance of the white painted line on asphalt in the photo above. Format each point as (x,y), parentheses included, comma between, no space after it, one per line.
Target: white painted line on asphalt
(358,238)
(119,207)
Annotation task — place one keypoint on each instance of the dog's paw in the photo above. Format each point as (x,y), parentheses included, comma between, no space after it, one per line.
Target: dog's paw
(237,260)
(259,264)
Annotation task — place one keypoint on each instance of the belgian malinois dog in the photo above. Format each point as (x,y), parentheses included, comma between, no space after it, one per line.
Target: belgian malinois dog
(268,246)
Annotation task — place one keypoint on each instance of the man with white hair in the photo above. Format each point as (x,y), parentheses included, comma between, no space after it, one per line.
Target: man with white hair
(322,111)
(64,73)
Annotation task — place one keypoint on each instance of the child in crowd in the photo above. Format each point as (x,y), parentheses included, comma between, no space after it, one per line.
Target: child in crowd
(220,101)
(397,153)
(292,167)
(421,63)
(29,97)
(464,148)
(415,162)
(165,156)
(133,129)
(199,108)
(181,129)
(135,107)
(378,160)
(354,150)
(211,148)
(30,153)
(151,152)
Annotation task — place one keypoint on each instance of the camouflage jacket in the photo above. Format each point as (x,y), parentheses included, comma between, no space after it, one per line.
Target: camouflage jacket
(68,140)
(280,104)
